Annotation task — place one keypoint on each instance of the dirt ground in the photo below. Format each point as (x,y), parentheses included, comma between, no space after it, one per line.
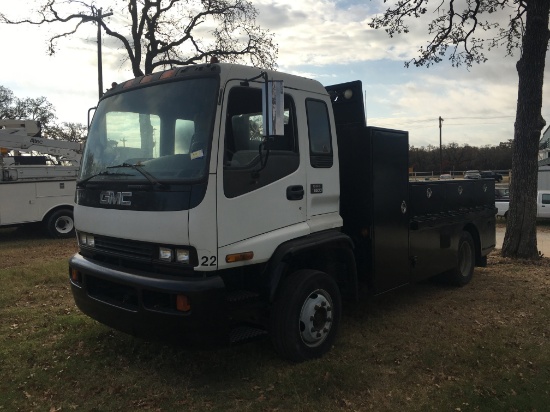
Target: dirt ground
(422,347)
(543,236)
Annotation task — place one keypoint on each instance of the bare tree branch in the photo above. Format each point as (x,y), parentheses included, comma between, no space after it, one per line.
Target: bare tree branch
(163,33)
(453,36)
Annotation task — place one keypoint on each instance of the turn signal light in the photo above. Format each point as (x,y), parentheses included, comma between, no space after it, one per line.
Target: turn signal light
(239,257)
(182,303)
(75,276)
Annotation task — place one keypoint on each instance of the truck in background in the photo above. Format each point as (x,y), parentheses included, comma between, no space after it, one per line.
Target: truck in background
(221,201)
(31,190)
(543,205)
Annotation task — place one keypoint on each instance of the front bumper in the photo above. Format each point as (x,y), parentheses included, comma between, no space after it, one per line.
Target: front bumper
(144,304)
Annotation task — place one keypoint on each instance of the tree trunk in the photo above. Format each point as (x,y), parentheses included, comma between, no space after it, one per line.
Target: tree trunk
(520,240)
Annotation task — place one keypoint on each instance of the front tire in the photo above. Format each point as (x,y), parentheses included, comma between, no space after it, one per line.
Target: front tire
(60,224)
(306,315)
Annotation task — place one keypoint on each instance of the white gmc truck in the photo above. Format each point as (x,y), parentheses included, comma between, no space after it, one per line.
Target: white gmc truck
(222,201)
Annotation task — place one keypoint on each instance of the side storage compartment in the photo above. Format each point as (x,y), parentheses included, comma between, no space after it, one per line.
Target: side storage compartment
(443,214)
(374,202)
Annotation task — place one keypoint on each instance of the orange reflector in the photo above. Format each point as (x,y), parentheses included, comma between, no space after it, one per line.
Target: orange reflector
(182,303)
(239,257)
(129,83)
(74,275)
(167,74)
(3,151)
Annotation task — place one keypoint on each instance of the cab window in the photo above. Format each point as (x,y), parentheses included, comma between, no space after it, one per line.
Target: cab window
(320,141)
(245,147)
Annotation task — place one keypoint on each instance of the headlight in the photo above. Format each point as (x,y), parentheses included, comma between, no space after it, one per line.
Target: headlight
(168,254)
(165,254)
(85,239)
(182,255)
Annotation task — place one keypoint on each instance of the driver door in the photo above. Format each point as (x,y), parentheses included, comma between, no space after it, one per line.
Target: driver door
(261,193)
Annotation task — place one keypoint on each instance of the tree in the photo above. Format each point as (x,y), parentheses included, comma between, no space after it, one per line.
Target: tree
(164,33)
(6,102)
(41,110)
(453,34)
(73,132)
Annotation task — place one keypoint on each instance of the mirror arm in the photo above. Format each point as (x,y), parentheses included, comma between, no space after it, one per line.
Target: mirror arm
(263,160)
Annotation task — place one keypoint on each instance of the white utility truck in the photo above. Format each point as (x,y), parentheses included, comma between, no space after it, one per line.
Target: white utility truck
(31,189)
(221,201)
(543,205)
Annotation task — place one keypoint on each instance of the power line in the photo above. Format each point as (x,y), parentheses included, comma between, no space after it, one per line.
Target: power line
(432,122)
(482,117)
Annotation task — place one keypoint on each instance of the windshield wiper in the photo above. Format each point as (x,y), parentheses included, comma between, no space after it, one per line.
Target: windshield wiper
(152,179)
(83,183)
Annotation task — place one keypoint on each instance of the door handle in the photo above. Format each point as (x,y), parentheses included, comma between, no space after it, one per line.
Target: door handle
(295,192)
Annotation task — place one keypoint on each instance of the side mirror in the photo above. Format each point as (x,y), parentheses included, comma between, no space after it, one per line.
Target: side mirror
(273,108)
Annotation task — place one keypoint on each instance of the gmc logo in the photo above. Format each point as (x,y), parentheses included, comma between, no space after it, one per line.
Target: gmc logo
(109,197)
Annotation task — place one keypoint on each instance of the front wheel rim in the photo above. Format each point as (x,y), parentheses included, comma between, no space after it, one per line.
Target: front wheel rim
(316,318)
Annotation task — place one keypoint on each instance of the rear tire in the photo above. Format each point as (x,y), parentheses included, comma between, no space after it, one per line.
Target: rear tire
(60,224)
(462,274)
(305,315)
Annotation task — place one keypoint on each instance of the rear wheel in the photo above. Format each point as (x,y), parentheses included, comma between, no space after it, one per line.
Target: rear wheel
(306,315)
(464,270)
(60,224)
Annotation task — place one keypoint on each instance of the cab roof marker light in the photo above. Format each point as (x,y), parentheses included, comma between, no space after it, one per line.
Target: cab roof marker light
(168,74)
(129,83)
(146,79)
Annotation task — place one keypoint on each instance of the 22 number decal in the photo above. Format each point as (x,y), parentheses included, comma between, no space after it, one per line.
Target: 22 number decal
(208,260)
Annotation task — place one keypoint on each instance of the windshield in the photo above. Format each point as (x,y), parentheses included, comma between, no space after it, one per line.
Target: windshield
(161,132)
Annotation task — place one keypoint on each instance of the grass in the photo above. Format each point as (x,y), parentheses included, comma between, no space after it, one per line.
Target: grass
(425,347)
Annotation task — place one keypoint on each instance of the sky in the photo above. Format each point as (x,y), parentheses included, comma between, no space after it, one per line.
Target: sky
(329,41)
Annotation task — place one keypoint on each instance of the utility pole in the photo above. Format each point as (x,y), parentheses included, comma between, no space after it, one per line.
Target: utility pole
(99,59)
(97,16)
(440,147)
